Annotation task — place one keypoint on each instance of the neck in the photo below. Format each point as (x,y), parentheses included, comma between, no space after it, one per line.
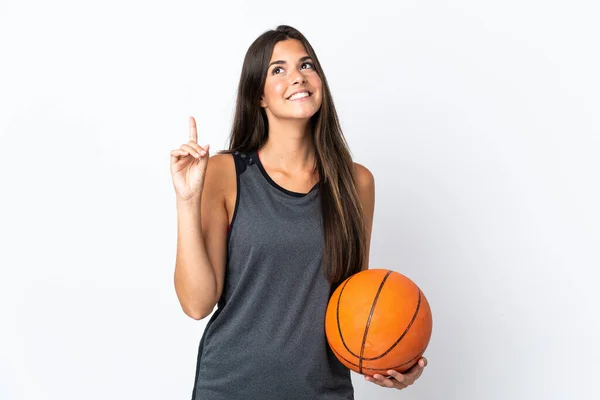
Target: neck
(289,146)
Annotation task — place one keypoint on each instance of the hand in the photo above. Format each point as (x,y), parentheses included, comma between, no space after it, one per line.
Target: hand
(188,166)
(396,379)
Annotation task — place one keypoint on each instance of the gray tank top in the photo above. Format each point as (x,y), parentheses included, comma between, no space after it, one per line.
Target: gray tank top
(266,340)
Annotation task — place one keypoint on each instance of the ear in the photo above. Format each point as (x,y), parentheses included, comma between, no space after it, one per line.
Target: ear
(262,102)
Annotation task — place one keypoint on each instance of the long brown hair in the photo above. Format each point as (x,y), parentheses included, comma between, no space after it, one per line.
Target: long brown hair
(343,225)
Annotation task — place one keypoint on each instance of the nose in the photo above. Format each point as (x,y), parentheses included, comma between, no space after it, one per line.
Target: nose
(298,78)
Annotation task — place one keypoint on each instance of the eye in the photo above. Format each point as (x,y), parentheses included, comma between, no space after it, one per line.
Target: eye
(274,71)
(307,63)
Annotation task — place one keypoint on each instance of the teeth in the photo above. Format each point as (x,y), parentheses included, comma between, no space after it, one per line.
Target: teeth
(299,95)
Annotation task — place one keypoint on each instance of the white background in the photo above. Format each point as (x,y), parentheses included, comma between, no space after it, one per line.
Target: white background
(479,120)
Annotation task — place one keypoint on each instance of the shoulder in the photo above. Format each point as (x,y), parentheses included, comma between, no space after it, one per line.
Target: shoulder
(220,172)
(223,160)
(365,181)
(365,186)
(221,164)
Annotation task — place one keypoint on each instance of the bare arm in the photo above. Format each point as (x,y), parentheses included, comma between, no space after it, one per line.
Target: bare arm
(201,225)
(202,240)
(365,184)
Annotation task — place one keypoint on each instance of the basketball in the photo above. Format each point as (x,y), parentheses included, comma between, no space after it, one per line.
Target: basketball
(378,320)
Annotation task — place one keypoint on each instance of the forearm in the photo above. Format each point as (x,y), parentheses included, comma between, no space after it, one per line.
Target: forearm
(195,279)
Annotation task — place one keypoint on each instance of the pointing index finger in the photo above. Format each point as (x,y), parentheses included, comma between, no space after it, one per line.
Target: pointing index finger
(193,131)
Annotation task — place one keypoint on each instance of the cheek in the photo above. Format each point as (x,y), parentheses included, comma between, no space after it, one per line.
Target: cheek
(316,83)
(275,90)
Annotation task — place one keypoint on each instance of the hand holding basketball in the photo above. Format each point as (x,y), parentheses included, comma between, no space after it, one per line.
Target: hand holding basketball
(379,322)
(396,379)
(188,166)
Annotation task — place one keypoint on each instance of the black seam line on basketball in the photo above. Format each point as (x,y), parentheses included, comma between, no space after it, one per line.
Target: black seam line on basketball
(419,354)
(337,316)
(362,347)
(404,333)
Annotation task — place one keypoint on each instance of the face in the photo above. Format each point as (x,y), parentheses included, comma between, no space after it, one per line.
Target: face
(293,87)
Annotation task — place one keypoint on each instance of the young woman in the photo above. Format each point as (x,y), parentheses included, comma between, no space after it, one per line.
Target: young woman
(268,228)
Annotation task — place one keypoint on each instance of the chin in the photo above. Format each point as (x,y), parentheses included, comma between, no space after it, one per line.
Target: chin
(305,112)
(299,113)
(305,116)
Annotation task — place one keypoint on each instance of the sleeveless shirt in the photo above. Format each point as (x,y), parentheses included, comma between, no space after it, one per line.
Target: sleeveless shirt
(266,340)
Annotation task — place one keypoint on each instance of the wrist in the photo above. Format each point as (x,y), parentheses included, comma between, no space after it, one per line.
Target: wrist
(193,202)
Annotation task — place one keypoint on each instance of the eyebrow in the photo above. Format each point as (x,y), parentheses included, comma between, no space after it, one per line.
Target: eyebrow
(283,62)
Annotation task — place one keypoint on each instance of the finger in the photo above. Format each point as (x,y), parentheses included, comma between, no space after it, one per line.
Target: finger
(200,149)
(180,152)
(373,380)
(419,366)
(197,148)
(399,380)
(383,381)
(193,131)
(177,154)
(396,376)
(413,374)
(191,150)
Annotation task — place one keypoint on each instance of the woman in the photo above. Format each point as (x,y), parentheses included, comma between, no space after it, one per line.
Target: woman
(268,228)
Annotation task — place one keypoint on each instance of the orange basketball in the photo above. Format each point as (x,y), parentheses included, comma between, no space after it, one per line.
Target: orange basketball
(378,320)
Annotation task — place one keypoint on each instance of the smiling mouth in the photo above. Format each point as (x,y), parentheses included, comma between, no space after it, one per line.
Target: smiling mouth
(299,95)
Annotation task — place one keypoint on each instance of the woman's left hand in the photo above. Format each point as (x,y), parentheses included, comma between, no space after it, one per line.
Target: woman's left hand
(396,379)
